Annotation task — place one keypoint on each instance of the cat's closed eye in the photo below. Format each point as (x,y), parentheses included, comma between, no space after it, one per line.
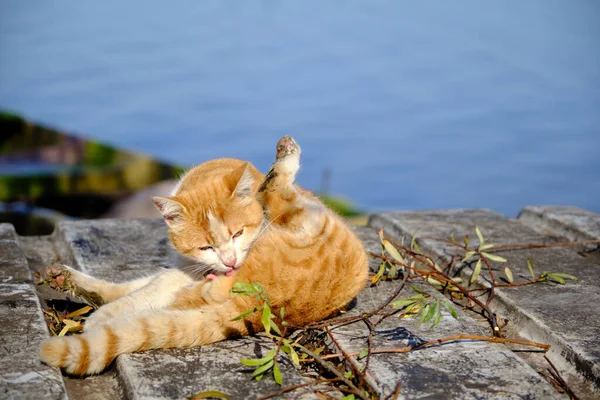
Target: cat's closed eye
(205,248)
(238,233)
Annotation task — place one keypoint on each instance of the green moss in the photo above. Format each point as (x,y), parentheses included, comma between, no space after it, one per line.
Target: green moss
(342,206)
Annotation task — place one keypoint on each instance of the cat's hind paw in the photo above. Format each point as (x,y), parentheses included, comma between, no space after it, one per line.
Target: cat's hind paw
(285,147)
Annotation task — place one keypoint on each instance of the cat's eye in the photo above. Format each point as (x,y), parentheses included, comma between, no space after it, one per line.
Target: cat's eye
(238,233)
(204,248)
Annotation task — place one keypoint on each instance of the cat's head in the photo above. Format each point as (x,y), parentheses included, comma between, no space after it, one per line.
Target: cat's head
(215,224)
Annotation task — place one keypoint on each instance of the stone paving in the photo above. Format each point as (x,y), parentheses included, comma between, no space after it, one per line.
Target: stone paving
(564,316)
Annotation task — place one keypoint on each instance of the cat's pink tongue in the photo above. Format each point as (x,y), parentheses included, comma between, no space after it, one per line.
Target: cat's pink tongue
(231,273)
(210,277)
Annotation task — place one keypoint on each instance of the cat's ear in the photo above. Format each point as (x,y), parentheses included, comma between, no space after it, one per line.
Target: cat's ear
(171,209)
(243,181)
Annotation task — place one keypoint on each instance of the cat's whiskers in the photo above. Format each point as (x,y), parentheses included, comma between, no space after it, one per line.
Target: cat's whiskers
(196,271)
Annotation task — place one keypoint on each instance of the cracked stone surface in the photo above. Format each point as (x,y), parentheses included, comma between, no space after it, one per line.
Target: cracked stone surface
(564,316)
(466,370)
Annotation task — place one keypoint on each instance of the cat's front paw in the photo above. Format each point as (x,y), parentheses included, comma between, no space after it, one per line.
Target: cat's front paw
(285,147)
(66,279)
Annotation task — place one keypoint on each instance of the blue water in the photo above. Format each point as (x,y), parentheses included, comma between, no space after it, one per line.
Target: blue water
(410,105)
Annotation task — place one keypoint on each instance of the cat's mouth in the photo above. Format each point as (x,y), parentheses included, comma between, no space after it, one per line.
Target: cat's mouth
(231,272)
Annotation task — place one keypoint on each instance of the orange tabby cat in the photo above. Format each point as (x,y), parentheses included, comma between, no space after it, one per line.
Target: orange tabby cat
(227,219)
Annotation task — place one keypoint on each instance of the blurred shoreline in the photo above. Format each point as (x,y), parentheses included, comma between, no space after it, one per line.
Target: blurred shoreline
(47,175)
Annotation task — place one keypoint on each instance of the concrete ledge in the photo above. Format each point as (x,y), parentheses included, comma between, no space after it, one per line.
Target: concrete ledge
(568,222)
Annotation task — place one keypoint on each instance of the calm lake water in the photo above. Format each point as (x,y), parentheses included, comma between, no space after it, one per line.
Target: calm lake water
(411,106)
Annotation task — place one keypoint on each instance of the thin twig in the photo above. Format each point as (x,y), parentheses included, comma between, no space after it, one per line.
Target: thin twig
(560,380)
(436,342)
(334,371)
(355,370)
(493,283)
(294,387)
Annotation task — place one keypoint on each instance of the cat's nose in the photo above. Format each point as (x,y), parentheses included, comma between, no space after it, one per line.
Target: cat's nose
(230,262)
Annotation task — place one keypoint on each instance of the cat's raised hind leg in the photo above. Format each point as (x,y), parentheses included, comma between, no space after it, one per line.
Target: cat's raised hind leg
(285,203)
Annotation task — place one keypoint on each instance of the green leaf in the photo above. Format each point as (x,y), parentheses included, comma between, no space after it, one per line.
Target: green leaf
(414,246)
(416,289)
(393,272)
(381,236)
(282,312)
(243,315)
(403,303)
(566,276)
(253,362)
(349,397)
(389,247)
(277,374)
(438,314)
(294,356)
(263,368)
(493,257)
(242,288)
(363,353)
(530,266)
(275,327)
(379,274)
(468,255)
(424,313)
(434,282)
(210,394)
(266,318)
(486,246)
(508,274)
(452,238)
(348,375)
(432,310)
(451,309)
(476,271)
(557,278)
(479,236)
(466,240)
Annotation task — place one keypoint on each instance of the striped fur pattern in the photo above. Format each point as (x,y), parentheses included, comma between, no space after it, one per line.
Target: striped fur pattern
(232,224)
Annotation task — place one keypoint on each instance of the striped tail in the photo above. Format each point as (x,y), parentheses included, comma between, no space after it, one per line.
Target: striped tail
(91,353)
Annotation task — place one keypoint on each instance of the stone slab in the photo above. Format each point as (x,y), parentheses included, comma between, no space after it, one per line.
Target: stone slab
(564,316)
(179,373)
(41,253)
(22,330)
(112,248)
(466,370)
(126,249)
(13,265)
(572,223)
